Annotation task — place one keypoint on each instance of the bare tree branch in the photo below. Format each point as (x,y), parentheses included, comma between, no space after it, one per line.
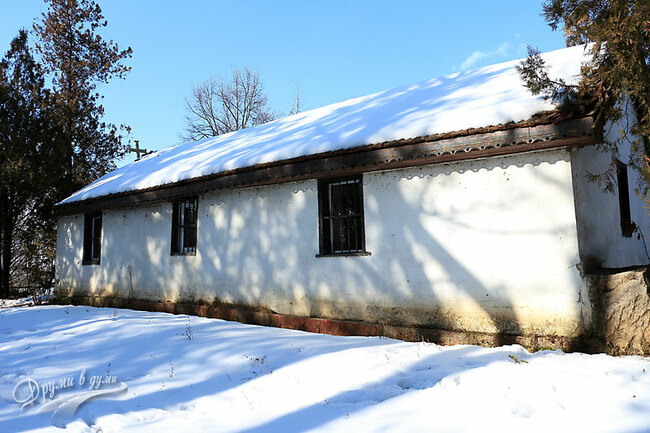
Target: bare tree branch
(217,107)
(296,106)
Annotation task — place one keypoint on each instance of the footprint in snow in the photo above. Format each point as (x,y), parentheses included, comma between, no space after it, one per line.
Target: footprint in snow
(407,383)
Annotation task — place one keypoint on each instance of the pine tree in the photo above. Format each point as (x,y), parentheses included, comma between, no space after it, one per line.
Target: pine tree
(29,140)
(51,142)
(78,59)
(616,80)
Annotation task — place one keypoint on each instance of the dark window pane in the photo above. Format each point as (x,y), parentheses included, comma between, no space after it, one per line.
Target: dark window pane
(88,239)
(96,248)
(97,226)
(326,235)
(357,198)
(92,238)
(335,200)
(336,236)
(174,238)
(347,199)
(624,199)
(346,235)
(354,241)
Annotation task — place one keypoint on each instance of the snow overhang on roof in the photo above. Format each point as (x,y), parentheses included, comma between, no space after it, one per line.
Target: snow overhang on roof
(460,105)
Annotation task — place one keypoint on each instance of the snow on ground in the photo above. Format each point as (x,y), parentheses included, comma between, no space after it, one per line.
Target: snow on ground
(195,374)
(481,97)
(27,301)
(18,302)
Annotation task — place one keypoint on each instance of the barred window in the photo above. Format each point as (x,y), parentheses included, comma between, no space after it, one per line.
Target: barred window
(341,216)
(184,216)
(92,238)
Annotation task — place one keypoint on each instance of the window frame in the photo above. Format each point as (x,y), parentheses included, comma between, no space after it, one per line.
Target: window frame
(326,219)
(92,245)
(180,228)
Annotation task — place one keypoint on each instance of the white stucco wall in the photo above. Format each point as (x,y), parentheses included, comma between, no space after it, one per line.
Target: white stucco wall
(485,245)
(597,211)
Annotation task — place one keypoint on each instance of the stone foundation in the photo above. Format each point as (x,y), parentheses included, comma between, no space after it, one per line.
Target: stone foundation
(621,306)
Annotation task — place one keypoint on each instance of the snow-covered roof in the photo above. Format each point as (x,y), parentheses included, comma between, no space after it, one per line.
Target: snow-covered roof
(491,95)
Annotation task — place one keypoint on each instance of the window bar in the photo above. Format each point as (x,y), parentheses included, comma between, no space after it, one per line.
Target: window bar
(181,228)
(96,234)
(92,238)
(331,216)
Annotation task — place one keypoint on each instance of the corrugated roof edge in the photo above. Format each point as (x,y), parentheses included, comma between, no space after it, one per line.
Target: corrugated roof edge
(550,128)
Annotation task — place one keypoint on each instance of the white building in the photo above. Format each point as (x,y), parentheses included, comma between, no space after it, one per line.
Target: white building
(448,204)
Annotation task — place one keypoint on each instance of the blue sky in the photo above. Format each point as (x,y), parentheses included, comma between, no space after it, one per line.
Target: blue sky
(336,50)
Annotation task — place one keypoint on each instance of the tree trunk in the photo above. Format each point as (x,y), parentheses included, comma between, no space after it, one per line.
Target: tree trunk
(6,260)
(5,230)
(3,291)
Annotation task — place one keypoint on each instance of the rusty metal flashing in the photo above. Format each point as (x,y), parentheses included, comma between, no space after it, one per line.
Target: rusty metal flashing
(461,145)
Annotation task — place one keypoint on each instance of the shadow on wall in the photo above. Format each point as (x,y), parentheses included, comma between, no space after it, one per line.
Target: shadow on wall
(484,246)
(496,250)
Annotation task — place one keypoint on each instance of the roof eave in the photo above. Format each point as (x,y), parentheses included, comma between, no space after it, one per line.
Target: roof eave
(462,145)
